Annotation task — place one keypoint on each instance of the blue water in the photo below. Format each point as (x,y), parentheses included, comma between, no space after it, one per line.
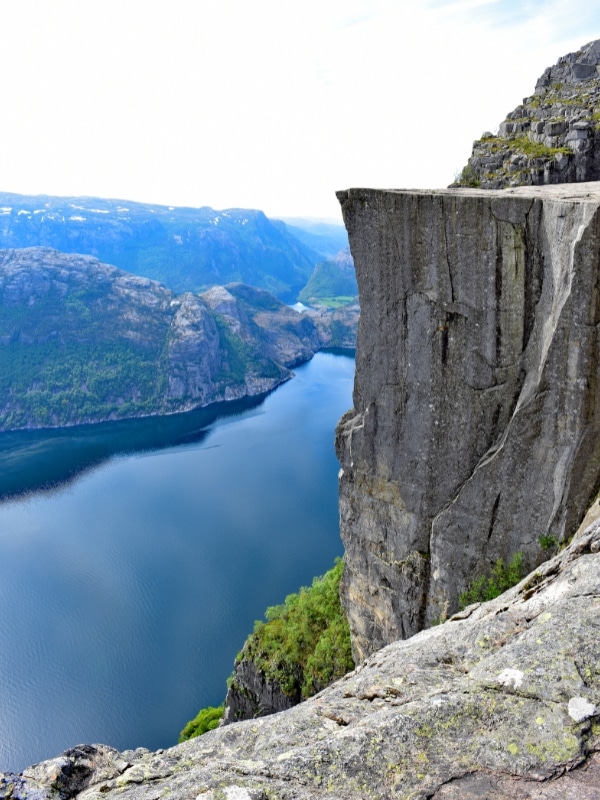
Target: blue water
(129,583)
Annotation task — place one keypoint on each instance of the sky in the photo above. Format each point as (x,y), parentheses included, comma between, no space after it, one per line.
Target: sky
(269,104)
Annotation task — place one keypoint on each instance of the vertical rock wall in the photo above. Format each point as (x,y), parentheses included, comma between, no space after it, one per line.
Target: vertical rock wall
(476,422)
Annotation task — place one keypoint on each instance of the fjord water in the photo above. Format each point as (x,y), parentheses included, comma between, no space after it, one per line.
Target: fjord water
(130,581)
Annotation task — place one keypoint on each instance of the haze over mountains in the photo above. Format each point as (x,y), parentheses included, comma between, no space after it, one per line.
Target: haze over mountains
(186,249)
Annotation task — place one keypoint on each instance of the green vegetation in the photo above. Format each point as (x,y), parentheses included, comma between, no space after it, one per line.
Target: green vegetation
(50,383)
(499,580)
(548,542)
(535,149)
(305,643)
(332,302)
(206,720)
(468,177)
(332,284)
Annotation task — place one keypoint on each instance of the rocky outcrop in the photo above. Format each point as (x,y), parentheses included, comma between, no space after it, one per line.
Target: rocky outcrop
(501,702)
(337,326)
(81,341)
(475,432)
(552,137)
(251,694)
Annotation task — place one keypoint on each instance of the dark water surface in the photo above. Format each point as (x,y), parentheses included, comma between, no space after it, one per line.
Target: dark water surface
(129,583)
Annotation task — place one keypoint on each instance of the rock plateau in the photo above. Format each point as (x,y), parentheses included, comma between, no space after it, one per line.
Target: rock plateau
(475,432)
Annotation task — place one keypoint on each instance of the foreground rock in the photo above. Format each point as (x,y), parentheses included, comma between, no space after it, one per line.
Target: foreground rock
(475,432)
(552,137)
(81,341)
(501,702)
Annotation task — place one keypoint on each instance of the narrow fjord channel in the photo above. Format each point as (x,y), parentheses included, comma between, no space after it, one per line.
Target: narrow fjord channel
(128,586)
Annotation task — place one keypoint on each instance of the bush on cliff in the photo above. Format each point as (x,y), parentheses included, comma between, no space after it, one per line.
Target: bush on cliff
(206,720)
(501,578)
(304,644)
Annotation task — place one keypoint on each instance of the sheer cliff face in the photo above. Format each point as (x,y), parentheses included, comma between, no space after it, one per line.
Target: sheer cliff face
(476,423)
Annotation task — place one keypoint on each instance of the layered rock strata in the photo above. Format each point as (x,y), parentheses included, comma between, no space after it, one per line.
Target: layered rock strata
(502,702)
(553,136)
(475,431)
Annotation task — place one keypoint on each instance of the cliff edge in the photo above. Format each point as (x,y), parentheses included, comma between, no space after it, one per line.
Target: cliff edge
(475,432)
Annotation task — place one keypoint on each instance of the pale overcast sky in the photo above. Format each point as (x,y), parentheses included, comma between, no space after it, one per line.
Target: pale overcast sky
(270,104)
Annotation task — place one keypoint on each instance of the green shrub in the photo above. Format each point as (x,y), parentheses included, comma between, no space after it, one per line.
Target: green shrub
(499,580)
(206,720)
(548,542)
(468,177)
(305,643)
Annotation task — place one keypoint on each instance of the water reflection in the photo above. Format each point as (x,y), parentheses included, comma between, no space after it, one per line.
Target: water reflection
(43,460)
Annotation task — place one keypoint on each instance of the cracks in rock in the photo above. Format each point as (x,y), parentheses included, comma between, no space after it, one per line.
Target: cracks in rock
(447,252)
(493,516)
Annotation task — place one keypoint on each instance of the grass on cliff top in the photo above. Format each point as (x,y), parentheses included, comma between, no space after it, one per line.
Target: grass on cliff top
(332,302)
(207,719)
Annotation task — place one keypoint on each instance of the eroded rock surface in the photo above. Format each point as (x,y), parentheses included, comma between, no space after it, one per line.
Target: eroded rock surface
(475,432)
(502,702)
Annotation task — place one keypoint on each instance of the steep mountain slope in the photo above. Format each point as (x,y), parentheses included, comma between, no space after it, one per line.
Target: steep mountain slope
(81,341)
(187,249)
(553,136)
(333,278)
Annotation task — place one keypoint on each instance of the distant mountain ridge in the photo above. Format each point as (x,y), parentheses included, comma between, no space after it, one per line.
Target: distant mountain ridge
(332,278)
(187,249)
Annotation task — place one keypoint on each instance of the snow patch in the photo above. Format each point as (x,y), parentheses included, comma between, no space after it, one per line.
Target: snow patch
(77,219)
(22,211)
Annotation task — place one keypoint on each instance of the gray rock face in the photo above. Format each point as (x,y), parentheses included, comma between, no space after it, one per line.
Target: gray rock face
(251,695)
(476,423)
(552,136)
(501,702)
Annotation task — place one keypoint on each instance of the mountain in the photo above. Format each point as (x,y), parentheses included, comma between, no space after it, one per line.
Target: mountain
(331,280)
(186,249)
(82,341)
